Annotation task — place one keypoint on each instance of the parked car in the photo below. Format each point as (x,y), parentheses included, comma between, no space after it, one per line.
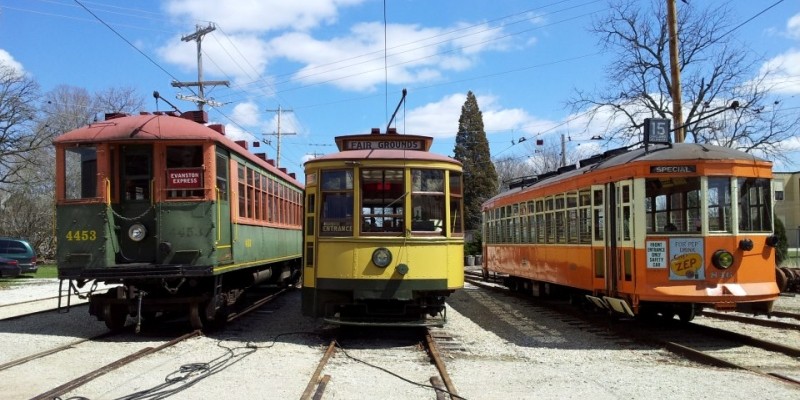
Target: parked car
(21,251)
(9,268)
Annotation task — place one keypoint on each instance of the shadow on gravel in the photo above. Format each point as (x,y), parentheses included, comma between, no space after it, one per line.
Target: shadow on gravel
(523,323)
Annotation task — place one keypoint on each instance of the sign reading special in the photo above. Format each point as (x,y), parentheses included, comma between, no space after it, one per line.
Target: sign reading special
(656,254)
(686,259)
(185,178)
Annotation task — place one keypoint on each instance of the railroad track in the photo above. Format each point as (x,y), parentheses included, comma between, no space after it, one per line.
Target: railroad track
(710,345)
(113,350)
(727,349)
(441,384)
(771,323)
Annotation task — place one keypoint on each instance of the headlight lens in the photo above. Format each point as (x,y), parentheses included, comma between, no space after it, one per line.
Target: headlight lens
(722,259)
(137,232)
(382,257)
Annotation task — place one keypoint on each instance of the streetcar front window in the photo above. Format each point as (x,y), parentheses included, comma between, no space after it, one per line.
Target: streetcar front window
(337,203)
(719,204)
(80,172)
(427,200)
(382,199)
(184,171)
(755,207)
(673,205)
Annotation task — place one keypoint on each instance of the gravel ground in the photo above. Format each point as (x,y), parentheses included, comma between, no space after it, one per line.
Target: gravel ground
(504,349)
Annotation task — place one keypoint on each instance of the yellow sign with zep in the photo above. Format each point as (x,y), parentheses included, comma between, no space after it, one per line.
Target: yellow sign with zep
(686,259)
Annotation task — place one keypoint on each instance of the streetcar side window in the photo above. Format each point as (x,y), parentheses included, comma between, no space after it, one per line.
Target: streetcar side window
(755,207)
(80,172)
(382,195)
(427,200)
(337,203)
(456,201)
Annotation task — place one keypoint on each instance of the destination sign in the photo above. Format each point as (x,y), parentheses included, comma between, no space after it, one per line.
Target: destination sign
(185,178)
(672,169)
(384,145)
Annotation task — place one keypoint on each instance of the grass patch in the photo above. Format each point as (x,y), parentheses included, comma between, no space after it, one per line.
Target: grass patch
(45,271)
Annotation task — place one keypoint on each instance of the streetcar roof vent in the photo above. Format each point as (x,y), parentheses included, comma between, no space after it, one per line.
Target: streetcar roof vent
(547,175)
(375,131)
(522,182)
(242,143)
(271,162)
(283,170)
(196,116)
(566,168)
(614,152)
(262,156)
(292,175)
(109,116)
(591,160)
(391,131)
(219,128)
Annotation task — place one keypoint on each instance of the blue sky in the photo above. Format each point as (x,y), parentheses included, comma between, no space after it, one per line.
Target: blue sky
(329,62)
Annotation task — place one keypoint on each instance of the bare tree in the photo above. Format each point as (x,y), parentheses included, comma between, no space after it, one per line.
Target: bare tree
(18,133)
(726,100)
(512,167)
(66,108)
(119,100)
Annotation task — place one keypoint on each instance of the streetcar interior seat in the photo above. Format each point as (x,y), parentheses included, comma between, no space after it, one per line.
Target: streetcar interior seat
(422,226)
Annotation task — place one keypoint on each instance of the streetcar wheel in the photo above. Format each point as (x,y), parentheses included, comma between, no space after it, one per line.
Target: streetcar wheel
(686,314)
(194,316)
(115,316)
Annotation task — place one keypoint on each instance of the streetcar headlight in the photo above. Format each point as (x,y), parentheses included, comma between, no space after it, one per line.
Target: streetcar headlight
(382,257)
(722,259)
(137,232)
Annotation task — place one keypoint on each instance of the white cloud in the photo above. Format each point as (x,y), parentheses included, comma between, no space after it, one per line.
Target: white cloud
(240,57)
(247,114)
(793,27)
(440,119)
(260,15)
(414,54)
(7,59)
(785,77)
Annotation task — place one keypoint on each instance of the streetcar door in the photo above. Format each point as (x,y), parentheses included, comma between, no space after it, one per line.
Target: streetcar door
(599,237)
(223,208)
(624,233)
(136,206)
(611,258)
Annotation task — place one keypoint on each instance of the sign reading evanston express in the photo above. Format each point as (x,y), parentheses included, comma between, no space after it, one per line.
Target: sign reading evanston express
(185,178)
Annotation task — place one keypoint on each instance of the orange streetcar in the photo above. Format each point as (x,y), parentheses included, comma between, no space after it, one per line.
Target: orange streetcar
(663,229)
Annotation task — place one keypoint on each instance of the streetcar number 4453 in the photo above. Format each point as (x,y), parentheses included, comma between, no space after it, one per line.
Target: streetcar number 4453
(81,235)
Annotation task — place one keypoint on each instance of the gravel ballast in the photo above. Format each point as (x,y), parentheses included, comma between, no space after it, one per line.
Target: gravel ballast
(505,349)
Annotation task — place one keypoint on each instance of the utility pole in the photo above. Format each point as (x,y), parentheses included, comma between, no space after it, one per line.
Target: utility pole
(200,99)
(677,107)
(280,111)
(563,151)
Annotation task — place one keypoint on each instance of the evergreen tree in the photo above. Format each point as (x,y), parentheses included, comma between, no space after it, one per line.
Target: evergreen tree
(472,149)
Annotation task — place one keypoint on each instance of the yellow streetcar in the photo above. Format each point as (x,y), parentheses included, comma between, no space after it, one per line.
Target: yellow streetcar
(384,232)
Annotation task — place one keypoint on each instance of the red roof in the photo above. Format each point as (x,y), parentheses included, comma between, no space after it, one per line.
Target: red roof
(151,127)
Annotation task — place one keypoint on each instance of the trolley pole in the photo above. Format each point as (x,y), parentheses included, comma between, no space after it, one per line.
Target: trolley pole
(677,107)
(280,111)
